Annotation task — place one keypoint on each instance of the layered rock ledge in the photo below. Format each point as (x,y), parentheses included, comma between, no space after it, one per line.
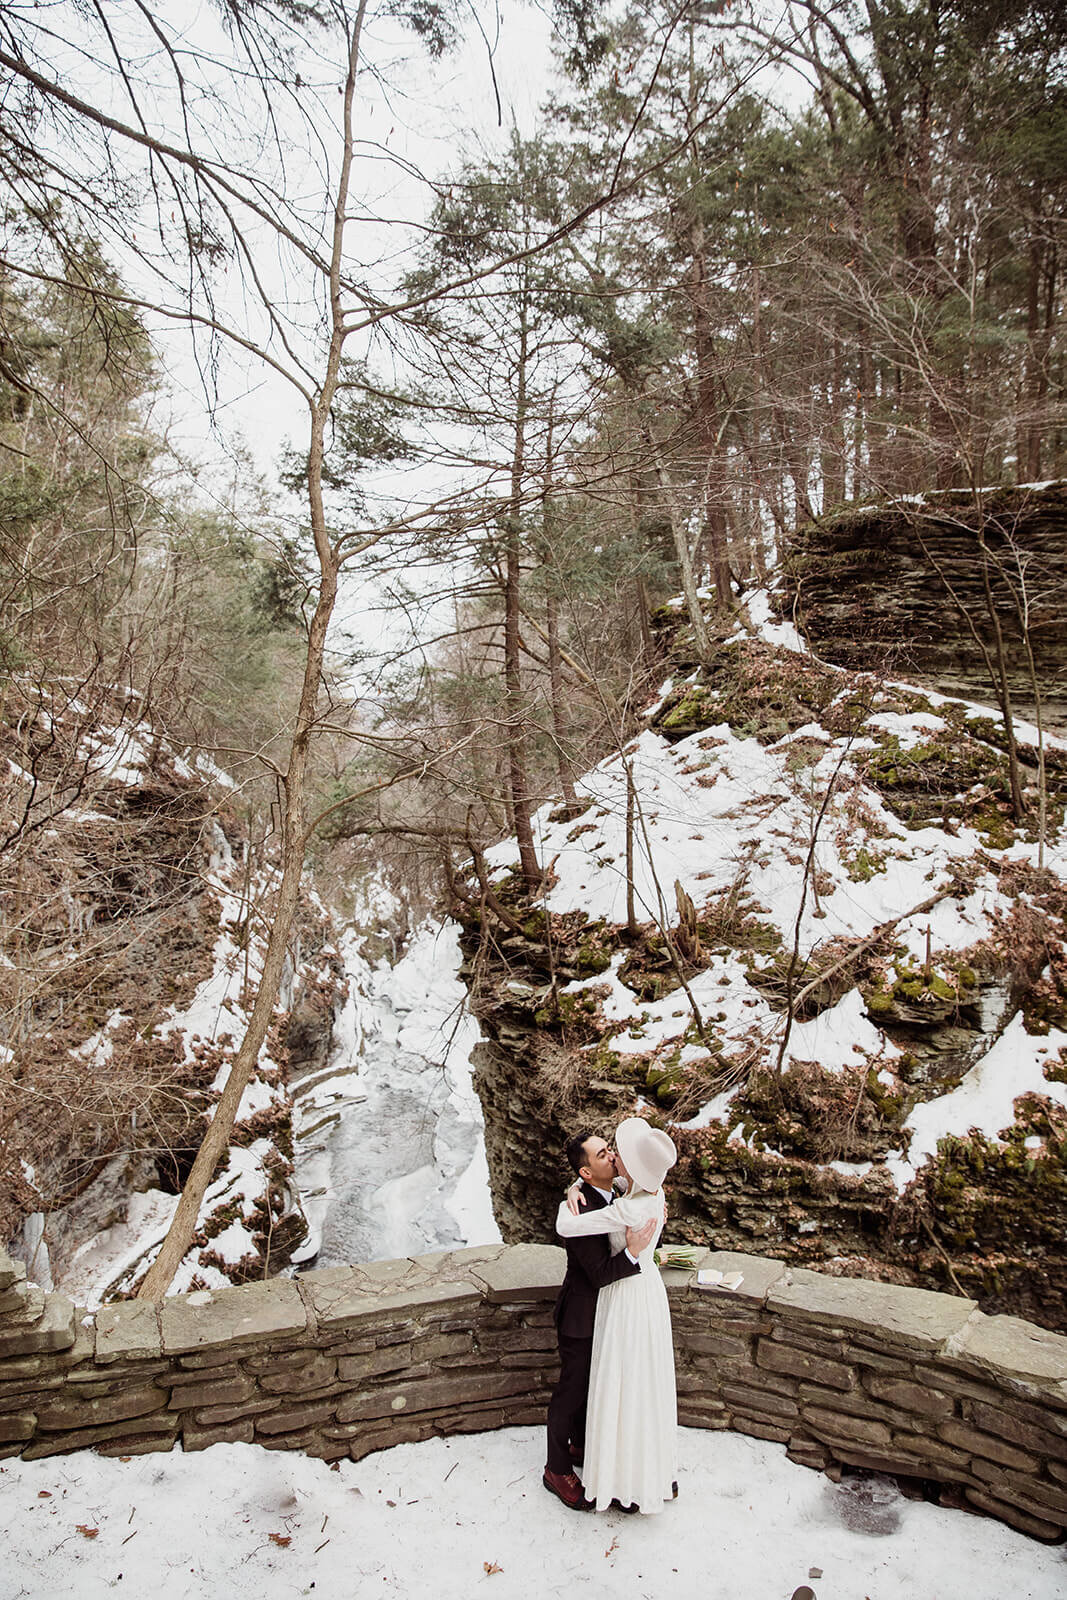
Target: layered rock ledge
(841,1372)
(900,586)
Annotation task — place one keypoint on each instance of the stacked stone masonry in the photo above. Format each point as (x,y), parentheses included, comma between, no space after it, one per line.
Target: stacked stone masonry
(867,586)
(841,1371)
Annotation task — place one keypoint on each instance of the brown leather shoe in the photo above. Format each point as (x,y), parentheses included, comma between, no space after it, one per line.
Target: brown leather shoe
(577,1454)
(565,1486)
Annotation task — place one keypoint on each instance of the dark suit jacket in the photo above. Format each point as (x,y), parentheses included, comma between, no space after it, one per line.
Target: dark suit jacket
(590,1265)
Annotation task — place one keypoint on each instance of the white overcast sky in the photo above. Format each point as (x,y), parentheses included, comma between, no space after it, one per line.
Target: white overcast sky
(425,116)
(419,120)
(416,121)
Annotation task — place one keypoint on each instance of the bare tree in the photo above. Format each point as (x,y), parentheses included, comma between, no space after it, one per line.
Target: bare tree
(154,181)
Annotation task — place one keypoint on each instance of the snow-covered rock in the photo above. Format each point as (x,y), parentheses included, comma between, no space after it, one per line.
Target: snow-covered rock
(844,842)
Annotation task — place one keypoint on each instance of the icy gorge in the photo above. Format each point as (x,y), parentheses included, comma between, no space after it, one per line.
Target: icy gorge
(533,579)
(843,993)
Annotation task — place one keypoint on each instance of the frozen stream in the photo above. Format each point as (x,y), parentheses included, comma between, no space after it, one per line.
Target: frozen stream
(390,1154)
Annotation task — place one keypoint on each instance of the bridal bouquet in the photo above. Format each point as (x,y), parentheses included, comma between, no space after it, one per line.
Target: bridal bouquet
(687,1257)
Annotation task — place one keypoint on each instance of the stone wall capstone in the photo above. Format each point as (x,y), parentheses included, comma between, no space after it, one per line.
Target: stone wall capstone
(841,1371)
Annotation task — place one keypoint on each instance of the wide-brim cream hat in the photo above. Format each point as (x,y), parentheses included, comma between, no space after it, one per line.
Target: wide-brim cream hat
(647,1153)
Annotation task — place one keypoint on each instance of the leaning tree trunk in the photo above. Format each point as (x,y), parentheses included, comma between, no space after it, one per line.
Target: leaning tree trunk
(294,822)
(216,1141)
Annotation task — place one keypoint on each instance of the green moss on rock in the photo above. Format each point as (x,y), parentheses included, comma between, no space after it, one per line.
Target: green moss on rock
(694,707)
(864,864)
(997,1195)
(592,957)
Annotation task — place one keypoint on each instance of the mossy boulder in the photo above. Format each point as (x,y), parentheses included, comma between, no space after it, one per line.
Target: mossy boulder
(686,711)
(592,956)
(921,998)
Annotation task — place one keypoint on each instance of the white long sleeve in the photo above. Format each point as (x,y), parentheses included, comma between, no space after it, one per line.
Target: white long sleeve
(629,1211)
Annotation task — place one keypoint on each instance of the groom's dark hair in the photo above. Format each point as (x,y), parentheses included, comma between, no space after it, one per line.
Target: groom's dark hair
(576,1152)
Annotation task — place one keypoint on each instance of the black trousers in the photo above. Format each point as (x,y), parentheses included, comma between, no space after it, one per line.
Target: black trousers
(566,1409)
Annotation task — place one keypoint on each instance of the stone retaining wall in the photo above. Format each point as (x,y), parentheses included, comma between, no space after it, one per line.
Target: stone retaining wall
(353,1359)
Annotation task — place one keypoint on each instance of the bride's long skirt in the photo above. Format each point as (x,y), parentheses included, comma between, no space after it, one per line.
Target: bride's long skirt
(631,1431)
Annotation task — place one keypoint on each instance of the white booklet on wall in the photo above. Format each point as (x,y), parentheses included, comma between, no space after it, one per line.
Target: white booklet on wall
(712,1278)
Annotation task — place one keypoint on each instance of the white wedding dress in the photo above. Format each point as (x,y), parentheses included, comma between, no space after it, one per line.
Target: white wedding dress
(632,1420)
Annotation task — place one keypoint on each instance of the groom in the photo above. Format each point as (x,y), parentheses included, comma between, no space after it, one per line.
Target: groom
(590,1265)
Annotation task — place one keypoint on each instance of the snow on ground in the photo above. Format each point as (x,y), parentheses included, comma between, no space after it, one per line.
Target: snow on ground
(766,625)
(718,812)
(910,730)
(468,1516)
(985,1098)
(1025,731)
(118,753)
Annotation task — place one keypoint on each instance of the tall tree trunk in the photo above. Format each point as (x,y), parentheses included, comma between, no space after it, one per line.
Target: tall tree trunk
(682,551)
(513,698)
(555,660)
(708,430)
(631,910)
(294,820)
(833,452)
(644,619)
(860,431)
(1038,340)
(710,466)
(768,483)
(559,718)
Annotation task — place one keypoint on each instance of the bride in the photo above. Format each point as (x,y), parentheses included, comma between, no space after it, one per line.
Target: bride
(630,1441)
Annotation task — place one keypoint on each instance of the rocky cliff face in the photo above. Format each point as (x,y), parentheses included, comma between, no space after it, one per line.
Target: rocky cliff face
(900,588)
(809,1179)
(845,993)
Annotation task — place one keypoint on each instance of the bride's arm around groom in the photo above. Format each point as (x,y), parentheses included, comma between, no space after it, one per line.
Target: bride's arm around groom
(630,1211)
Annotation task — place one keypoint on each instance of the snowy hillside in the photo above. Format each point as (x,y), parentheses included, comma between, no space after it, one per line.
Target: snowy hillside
(865,1003)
